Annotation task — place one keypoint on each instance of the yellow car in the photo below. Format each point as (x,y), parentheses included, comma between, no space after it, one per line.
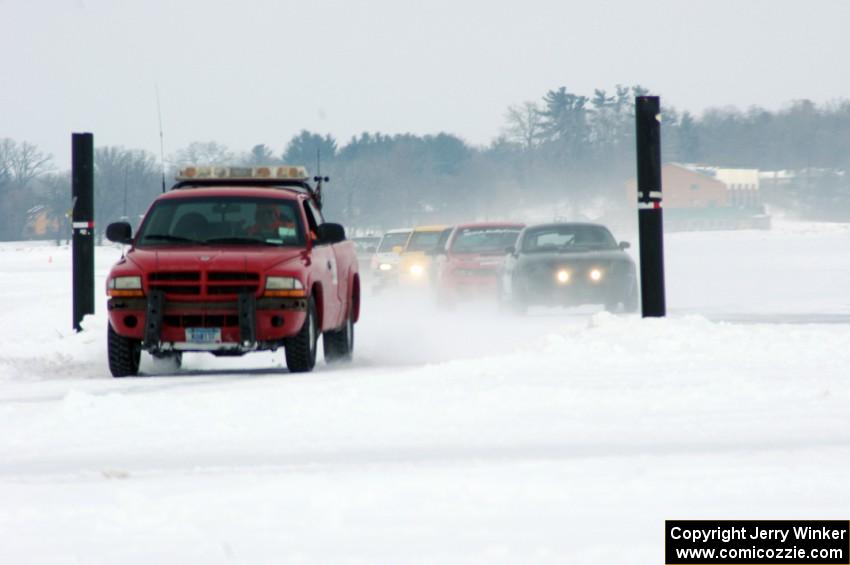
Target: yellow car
(415,265)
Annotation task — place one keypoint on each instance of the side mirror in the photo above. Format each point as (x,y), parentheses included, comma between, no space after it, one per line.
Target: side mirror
(330,233)
(120,232)
(624,245)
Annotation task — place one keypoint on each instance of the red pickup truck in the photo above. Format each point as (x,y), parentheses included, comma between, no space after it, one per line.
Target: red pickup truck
(233,260)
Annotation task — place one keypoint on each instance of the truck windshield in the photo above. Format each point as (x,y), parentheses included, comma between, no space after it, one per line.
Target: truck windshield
(222,221)
(484,240)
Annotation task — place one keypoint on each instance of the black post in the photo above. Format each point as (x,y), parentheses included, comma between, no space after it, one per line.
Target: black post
(82,192)
(650,224)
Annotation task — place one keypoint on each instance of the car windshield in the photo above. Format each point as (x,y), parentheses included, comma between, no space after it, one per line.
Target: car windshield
(392,240)
(222,221)
(424,240)
(567,237)
(484,240)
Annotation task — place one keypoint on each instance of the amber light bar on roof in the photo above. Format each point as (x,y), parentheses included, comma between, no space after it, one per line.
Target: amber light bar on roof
(194,172)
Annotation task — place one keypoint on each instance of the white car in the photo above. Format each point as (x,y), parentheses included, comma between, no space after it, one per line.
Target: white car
(386,260)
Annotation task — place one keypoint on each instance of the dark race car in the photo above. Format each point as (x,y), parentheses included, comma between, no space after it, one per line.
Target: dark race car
(568,264)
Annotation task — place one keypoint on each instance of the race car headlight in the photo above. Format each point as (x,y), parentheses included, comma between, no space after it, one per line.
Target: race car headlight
(595,275)
(284,287)
(562,276)
(124,286)
(416,270)
(385,267)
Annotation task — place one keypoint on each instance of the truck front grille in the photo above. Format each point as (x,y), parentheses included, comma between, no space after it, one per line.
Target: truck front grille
(221,284)
(201,320)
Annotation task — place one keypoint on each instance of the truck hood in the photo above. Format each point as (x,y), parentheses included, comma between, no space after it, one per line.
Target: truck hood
(237,258)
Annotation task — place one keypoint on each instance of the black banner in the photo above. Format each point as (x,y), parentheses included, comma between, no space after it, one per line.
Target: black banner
(758,542)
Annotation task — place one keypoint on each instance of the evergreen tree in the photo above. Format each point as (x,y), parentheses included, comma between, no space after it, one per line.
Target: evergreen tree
(306,146)
(260,155)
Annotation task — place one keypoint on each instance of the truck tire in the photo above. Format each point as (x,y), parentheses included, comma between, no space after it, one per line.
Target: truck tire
(124,354)
(301,349)
(339,343)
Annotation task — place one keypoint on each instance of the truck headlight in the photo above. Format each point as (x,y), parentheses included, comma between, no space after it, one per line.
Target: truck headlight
(595,275)
(385,267)
(124,286)
(284,287)
(416,270)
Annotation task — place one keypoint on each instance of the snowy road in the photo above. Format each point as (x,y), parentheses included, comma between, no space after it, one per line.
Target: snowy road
(464,436)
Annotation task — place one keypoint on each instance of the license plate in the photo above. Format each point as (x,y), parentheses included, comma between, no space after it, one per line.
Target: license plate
(203,335)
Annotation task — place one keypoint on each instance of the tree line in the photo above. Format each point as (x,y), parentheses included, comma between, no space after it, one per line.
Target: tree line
(564,147)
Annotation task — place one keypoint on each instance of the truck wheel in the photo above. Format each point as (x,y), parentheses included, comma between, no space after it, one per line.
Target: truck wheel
(124,354)
(301,349)
(339,344)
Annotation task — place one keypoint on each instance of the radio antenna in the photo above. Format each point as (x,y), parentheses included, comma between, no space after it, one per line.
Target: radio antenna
(319,178)
(161,145)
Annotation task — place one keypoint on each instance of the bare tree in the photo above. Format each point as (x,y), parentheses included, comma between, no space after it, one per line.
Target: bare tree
(203,153)
(126,181)
(20,164)
(522,124)
(28,162)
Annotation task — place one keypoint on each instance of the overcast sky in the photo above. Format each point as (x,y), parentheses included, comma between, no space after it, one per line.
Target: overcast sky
(248,72)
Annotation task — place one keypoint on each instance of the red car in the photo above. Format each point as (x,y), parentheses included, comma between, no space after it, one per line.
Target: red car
(472,258)
(230,261)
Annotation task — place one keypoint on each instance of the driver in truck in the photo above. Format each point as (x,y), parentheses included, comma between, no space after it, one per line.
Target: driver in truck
(270,223)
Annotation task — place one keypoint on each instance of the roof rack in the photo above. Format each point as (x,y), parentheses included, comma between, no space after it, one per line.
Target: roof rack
(284,177)
(278,172)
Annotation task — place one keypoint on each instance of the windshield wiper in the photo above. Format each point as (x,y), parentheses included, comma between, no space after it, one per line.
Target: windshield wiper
(168,237)
(240,240)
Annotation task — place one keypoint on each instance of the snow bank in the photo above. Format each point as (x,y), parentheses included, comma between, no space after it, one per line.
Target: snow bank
(464,436)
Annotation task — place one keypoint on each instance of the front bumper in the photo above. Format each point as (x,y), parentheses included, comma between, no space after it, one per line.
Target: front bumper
(575,293)
(246,324)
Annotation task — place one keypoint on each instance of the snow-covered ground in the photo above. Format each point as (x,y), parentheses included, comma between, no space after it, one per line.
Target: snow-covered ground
(466,436)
